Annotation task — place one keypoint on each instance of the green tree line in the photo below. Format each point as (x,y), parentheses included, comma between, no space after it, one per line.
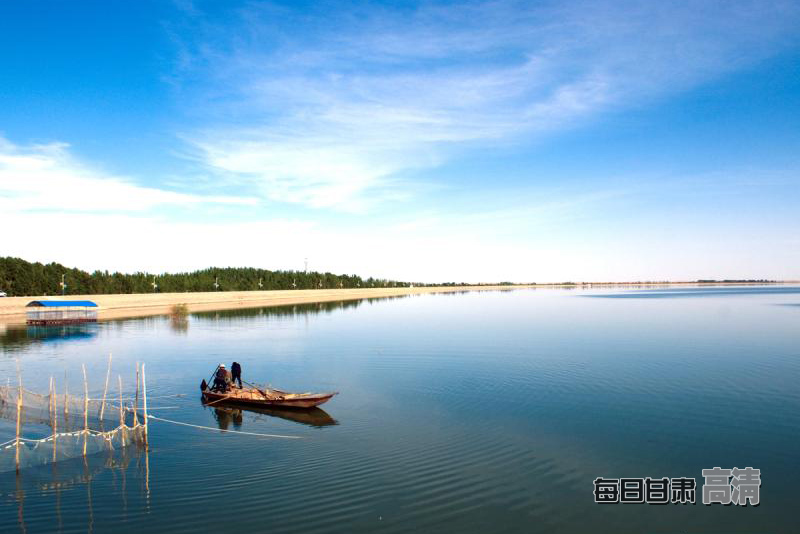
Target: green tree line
(20,278)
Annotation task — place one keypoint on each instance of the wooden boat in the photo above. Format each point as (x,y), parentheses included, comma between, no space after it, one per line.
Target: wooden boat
(266,397)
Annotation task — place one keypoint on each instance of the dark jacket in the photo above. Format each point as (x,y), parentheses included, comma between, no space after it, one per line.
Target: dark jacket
(236,369)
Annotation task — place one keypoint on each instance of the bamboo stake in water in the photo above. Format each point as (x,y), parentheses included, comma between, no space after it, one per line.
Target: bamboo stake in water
(105,389)
(136,399)
(147,475)
(50,400)
(55,417)
(66,394)
(19,417)
(121,410)
(121,413)
(144,401)
(85,410)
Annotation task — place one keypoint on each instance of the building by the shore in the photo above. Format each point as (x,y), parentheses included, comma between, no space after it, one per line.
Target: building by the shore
(60,312)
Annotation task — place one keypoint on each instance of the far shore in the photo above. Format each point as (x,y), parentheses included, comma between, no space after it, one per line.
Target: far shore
(12,309)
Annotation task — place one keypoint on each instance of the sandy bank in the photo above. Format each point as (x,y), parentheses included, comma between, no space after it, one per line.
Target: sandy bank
(12,309)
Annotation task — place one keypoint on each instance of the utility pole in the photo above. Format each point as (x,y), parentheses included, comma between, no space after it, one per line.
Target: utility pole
(260,285)
(294,283)
(216,283)
(155,286)
(63,285)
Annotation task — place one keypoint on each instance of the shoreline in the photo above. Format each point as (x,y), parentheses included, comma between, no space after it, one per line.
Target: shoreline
(118,306)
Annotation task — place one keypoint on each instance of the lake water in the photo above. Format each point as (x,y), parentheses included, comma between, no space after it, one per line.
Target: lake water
(476,412)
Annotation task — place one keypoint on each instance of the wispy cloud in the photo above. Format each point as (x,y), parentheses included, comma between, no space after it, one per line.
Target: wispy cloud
(333,108)
(48,177)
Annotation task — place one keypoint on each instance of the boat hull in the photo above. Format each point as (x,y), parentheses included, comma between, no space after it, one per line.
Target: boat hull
(248,397)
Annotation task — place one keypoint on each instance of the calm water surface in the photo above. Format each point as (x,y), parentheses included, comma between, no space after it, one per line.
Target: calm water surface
(478,412)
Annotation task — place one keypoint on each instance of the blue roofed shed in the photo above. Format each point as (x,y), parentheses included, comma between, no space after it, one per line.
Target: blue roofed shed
(61,303)
(60,312)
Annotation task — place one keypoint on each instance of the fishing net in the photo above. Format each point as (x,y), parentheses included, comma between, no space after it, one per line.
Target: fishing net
(58,427)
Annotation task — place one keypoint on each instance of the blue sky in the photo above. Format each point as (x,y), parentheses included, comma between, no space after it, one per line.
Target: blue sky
(474,141)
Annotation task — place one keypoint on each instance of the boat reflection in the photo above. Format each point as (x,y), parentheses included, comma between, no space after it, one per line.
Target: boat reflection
(228,416)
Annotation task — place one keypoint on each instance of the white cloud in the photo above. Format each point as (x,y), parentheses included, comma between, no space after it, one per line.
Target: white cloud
(544,235)
(318,175)
(332,111)
(430,253)
(131,242)
(48,177)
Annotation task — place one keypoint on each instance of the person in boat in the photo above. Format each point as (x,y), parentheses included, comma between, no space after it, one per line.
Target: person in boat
(236,374)
(222,379)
